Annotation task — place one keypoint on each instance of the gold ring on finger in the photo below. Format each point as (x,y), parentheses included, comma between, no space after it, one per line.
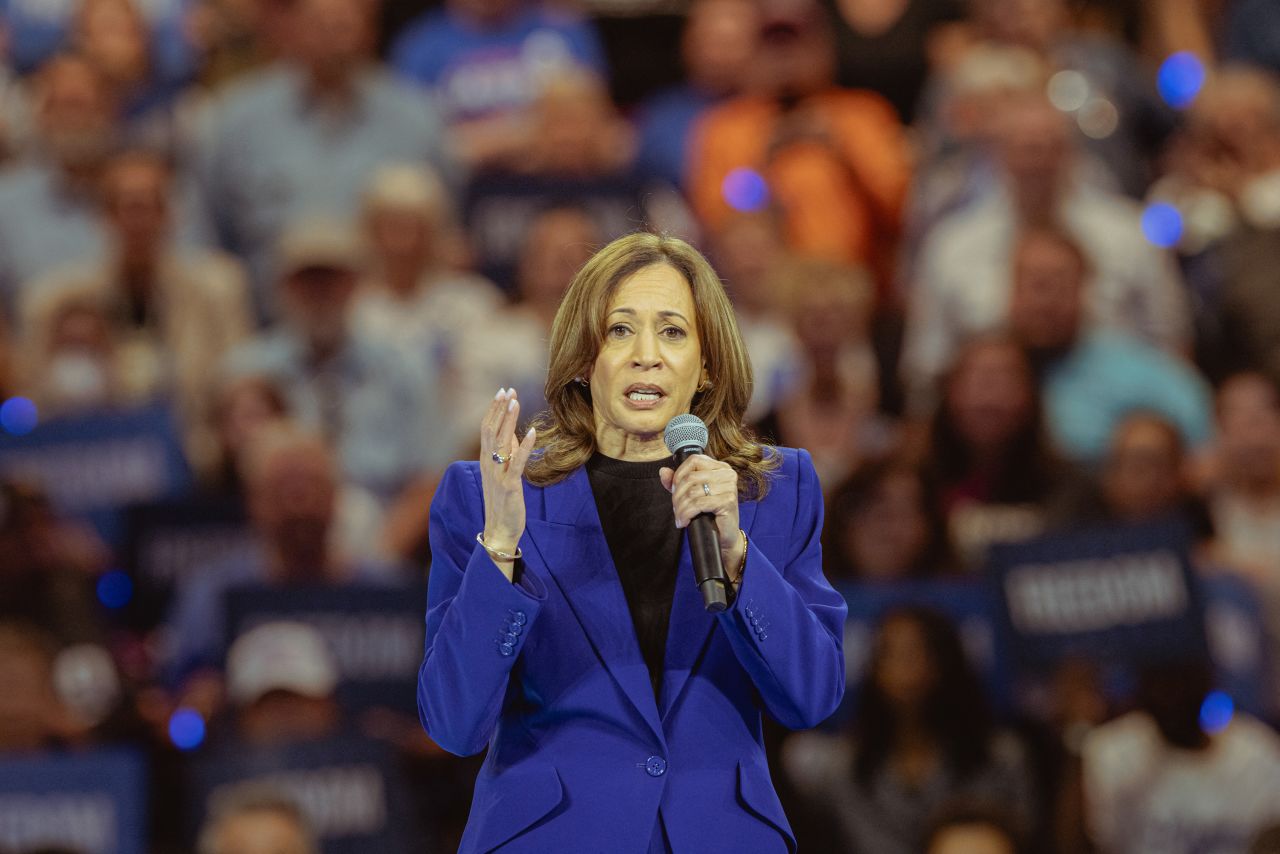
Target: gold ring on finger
(706,490)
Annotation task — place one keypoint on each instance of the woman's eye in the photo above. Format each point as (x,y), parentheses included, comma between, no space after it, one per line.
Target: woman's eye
(673,332)
(618,330)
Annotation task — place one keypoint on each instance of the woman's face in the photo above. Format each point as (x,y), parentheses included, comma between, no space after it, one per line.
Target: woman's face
(904,670)
(650,362)
(887,535)
(991,396)
(1143,476)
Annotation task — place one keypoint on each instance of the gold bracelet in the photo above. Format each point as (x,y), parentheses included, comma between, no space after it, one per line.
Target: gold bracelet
(742,564)
(494,553)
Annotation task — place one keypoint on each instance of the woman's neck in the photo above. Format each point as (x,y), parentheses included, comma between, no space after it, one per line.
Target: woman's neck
(620,445)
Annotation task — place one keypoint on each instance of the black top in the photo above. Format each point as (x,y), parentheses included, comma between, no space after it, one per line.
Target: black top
(639,526)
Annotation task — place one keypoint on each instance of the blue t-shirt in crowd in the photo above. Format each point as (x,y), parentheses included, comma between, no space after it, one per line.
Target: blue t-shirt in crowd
(1109,375)
(666,121)
(479,71)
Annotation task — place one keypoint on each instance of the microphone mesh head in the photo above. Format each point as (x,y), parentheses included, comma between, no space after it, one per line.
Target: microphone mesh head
(685,431)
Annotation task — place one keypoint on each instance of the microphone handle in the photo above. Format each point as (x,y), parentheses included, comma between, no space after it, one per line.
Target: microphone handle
(704,549)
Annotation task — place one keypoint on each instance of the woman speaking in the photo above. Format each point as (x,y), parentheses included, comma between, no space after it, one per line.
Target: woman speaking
(565,630)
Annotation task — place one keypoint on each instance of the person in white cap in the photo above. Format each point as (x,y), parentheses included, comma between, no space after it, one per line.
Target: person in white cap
(281,678)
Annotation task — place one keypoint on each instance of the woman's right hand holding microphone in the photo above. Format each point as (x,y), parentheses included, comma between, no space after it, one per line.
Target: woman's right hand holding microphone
(502,462)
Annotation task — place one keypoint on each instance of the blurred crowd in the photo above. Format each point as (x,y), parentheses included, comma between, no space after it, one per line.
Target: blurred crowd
(1004,267)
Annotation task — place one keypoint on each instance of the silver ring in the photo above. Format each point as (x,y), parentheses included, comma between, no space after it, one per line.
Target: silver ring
(499,458)
(706,490)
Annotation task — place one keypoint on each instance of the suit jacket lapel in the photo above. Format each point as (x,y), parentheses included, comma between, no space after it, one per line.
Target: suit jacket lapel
(691,626)
(574,553)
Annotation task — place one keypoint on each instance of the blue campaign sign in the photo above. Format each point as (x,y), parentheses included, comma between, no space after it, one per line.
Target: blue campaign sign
(967,603)
(349,789)
(1235,625)
(95,465)
(376,633)
(1121,594)
(93,803)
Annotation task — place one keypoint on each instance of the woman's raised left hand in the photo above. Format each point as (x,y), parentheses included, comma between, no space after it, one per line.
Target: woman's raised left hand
(705,485)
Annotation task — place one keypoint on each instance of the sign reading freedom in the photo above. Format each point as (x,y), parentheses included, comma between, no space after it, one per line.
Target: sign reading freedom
(1125,594)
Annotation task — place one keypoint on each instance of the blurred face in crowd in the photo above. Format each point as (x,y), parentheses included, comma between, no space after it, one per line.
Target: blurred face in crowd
(886,537)
(292,495)
(74,112)
(1046,304)
(244,407)
(78,371)
(795,55)
(1029,23)
(991,395)
(746,249)
(1249,428)
(577,127)
(1143,477)
(1034,147)
(650,361)
(719,42)
(29,708)
(1234,125)
(136,200)
(903,667)
(333,38)
(400,235)
(484,11)
(829,311)
(261,832)
(285,717)
(113,36)
(317,301)
(975,838)
(559,242)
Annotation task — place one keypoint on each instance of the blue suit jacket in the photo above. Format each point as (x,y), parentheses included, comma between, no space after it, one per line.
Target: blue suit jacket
(548,673)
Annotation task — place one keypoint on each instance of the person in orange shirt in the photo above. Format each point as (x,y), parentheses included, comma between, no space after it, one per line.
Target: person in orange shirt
(834,162)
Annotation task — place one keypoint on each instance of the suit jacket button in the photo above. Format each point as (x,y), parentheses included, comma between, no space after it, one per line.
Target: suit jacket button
(507,649)
(655,766)
(518,617)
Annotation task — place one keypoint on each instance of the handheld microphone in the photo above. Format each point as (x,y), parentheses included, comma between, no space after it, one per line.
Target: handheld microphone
(686,435)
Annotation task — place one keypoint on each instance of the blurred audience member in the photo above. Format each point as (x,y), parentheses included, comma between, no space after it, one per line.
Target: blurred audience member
(296,504)
(886,46)
(35,32)
(718,45)
(173,313)
(32,715)
(415,298)
(72,359)
(973,258)
(972,829)
(48,568)
(921,737)
(303,137)
(747,250)
(281,682)
(48,205)
(885,523)
(989,451)
(832,408)
(486,62)
(254,819)
(1145,476)
(833,161)
(1090,378)
(1159,779)
(377,408)
(241,406)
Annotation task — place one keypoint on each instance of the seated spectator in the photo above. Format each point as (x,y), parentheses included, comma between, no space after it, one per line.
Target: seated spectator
(73,361)
(989,451)
(973,258)
(295,501)
(920,738)
(1091,378)
(32,715)
(486,61)
(254,819)
(1156,780)
(303,137)
(717,46)
(378,409)
(173,312)
(281,682)
(1245,494)
(747,250)
(833,161)
(885,523)
(1146,475)
(832,408)
(415,298)
(962,829)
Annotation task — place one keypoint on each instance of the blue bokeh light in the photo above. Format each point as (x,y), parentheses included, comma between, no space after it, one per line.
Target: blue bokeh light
(115,589)
(1180,79)
(1162,224)
(186,729)
(745,190)
(18,416)
(1216,712)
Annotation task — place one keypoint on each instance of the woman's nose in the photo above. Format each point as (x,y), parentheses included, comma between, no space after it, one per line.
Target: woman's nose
(645,352)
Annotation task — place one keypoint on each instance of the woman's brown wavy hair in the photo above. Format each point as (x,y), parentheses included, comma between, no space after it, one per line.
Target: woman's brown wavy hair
(566,431)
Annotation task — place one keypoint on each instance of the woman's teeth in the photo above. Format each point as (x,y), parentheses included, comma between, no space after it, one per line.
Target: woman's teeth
(644,395)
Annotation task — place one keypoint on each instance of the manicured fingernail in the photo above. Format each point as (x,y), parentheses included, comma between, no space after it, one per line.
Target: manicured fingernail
(501,392)
(528,433)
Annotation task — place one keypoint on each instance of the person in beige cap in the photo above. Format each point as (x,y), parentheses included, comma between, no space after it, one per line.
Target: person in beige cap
(281,678)
(256,819)
(378,408)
